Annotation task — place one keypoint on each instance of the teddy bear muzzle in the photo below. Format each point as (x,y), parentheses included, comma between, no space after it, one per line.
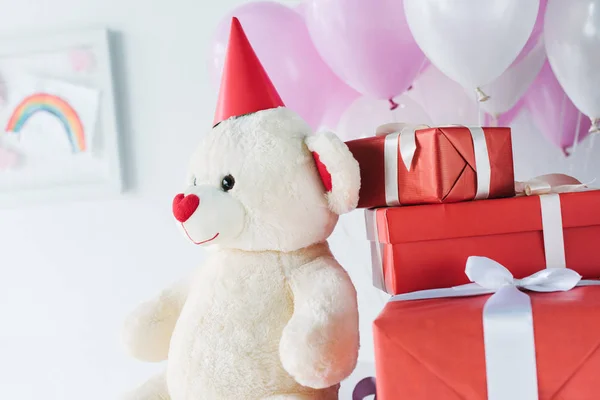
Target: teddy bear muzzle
(208,214)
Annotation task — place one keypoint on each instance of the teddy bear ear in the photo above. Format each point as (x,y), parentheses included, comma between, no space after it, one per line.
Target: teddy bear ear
(338,169)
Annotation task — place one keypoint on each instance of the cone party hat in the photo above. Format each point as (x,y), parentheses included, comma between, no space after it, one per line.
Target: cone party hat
(245,85)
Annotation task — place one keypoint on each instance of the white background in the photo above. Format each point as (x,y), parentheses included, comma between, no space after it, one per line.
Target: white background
(70,272)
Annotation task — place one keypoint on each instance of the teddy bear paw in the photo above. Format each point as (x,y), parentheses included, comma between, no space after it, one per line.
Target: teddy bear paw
(315,361)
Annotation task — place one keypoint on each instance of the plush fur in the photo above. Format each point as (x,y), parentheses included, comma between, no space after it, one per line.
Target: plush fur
(270,314)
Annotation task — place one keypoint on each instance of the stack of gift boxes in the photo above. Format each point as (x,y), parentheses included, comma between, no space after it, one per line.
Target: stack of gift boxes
(449,228)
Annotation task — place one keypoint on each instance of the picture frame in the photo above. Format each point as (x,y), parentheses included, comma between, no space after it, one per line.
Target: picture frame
(59,137)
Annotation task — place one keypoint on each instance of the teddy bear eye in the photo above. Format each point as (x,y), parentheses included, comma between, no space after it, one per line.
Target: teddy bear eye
(227,183)
(194,181)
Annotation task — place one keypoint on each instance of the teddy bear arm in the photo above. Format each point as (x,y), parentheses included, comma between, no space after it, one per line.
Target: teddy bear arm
(147,330)
(319,345)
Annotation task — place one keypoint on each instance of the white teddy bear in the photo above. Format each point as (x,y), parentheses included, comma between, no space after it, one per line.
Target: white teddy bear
(271,314)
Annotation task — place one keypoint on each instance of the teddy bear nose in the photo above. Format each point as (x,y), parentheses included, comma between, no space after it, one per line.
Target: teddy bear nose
(184,206)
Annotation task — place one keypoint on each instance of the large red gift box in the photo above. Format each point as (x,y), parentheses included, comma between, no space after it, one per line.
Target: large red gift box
(434,349)
(443,169)
(426,247)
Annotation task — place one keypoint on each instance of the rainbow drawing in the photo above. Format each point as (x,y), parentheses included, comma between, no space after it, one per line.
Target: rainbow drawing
(52,104)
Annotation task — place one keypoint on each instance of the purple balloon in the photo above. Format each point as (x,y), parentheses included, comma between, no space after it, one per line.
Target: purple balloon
(281,41)
(553,112)
(367,43)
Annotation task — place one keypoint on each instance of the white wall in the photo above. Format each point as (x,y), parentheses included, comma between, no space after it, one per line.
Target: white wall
(70,272)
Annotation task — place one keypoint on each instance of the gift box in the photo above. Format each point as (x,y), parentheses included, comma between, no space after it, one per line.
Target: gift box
(425,247)
(444,349)
(434,165)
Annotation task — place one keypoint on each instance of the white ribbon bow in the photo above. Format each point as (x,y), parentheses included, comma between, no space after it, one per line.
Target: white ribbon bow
(550,183)
(491,275)
(488,276)
(507,321)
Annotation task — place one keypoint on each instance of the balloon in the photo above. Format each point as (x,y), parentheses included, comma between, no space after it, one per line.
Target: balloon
(506,90)
(279,37)
(471,41)
(553,113)
(366,43)
(505,118)
(572,36)
(447,103)
(300,8)
(339,102)
(536,34)
(365,114)
(445,100)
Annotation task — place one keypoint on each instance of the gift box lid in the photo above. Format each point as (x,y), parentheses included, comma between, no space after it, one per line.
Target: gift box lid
(477,218)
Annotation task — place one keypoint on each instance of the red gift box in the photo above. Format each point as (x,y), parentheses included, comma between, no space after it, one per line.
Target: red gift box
(443,167)
(434,349)
(426,247)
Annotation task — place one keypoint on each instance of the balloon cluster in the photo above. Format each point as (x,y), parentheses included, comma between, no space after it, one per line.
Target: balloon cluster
(352,65)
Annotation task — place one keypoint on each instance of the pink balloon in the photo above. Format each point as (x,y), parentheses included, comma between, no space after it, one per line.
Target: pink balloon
(281,41)
(340,97)
(300,8)
(367,43)
(340,100)
(365,114)
(553,112)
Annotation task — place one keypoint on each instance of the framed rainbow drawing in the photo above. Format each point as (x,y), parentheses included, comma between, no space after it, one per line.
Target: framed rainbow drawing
(52,104)
(59,136)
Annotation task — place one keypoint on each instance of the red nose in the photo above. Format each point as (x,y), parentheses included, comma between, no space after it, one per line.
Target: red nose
(184,206)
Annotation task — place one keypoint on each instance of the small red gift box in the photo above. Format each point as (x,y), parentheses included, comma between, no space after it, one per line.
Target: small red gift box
(435,349)
(425,247)
(434,165)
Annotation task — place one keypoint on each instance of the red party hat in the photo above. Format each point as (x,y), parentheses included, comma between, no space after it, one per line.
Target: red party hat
(245,85)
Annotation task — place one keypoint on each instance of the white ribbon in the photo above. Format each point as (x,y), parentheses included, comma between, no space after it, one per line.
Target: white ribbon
(482,163)
(508,335)
(408,144)
(390,156)
(548,188)
(397,136)
(552,229)
(402,137)
(376,250)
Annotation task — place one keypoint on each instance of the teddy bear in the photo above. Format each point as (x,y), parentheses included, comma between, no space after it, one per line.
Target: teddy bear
(270,314)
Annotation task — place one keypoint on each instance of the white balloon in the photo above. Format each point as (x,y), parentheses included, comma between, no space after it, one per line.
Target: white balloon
(363,116)
(508,88)
(572,36)
(445,100)
(471,41)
